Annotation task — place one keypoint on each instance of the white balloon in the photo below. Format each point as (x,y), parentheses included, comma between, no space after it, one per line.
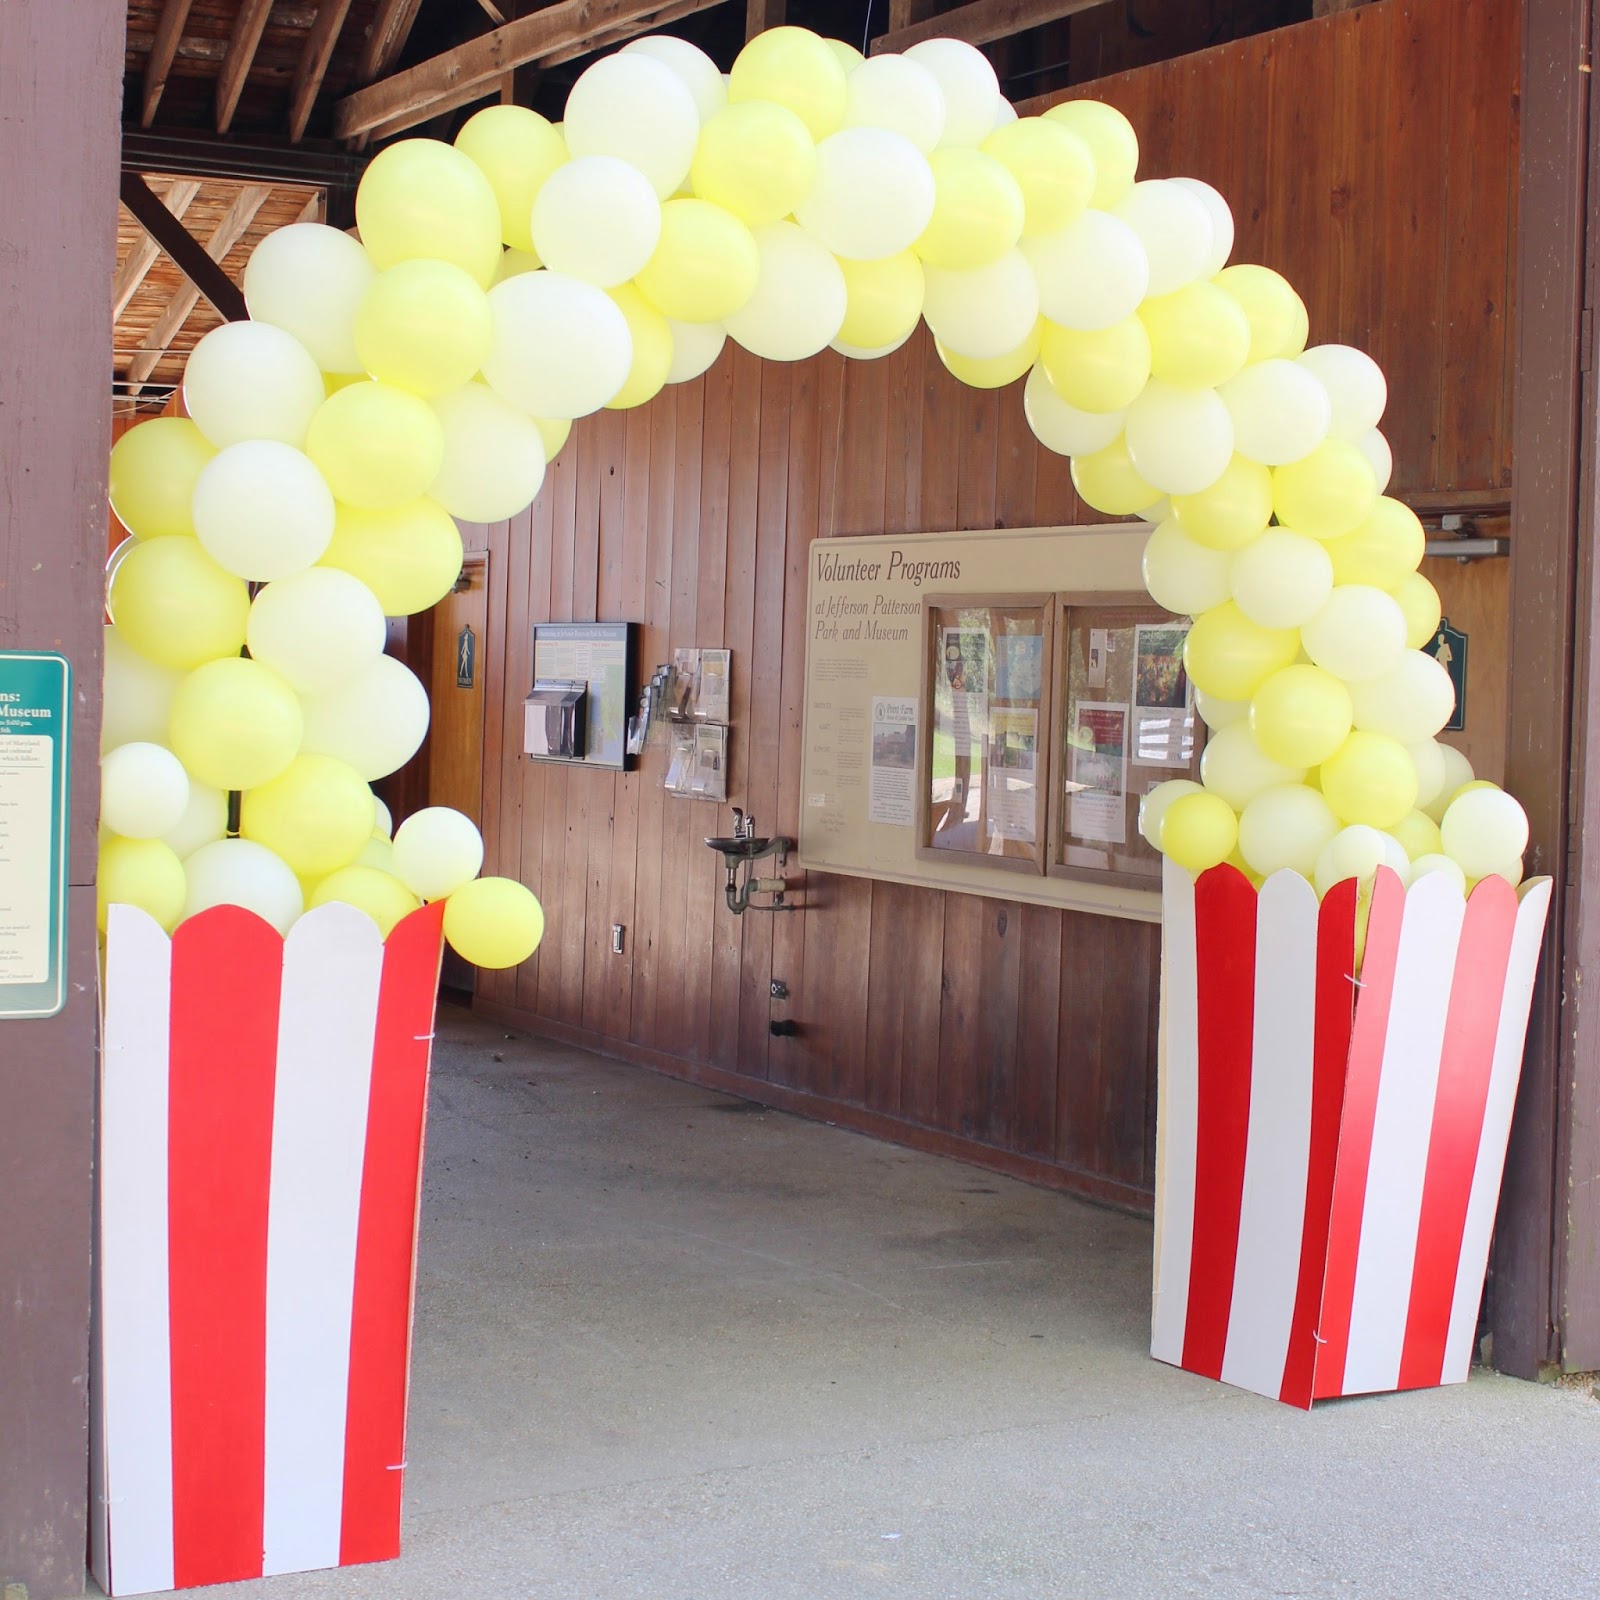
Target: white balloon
(1004,113)
(1427,756)
(1217,713)
(596,218)
(316,629)
(1237,768)
(873,194)
(1062,427)
(561,347)
(1280,411)
(1485,831)
(1423,865)
(857,353)
(385,822)
(1174,226)
(262,510)
(251,380)
(375,722)
(1380,457)
(1286,829)
(799,303)
(377,853)
(138,695)
(204,821)
(1221,223)
(896,92)
(1182,574)
(1179,440)
(983,312)
(1155,802)
(1357,635)
(143,790)
(1457,772)
(493,455)
(1355,384)
(436,850)
(240,872)
(308,280)
(636,107)
(691,64)
(1091,273)
(1410,702)
(969,86)
(1282,578)
(695,348)
(1357,852)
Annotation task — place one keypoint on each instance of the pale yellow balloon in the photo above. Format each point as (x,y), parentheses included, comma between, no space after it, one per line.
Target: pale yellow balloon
(316,814)
(1109,482)
(409,556)
(140,872)
(1419,602)
(379,894)
(1418,834)
(1099,370)
(705,265)
(798,70)
(1053,167)
(154,468)
(1301,715)
(377,446)
(995,372)
(1383,550)
(493,922)
(1233,511)
(652,350)
(1112,143)
(423,199)
(1199,335)
(175,606)
(1199,831)
(1230,656)
(423,326)
(978,211)
(554,431)
(1370,779)
(883,300)
(235,724)
(516,150)
(1327,493)
(1279,323)
(756,161)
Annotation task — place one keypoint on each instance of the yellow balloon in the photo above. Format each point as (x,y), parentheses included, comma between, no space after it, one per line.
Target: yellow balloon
(516,150)
(333,382)
(977,211)
(377,445)
(1233,511)
(798,70)
(756,161)
(1098,371)
(1112,143)
(652,349)
(1108,482)
(493,922)
(1279,324)
(140,872)
(1420,605)
(704,267)
(1053,168)
(847,55)
(1418,834)
(316,814)
(1199,831)
(1327,493)
(1371,779)
(235,724)
(153,471)
(1383,551)
(883,300)
(176,606)
(554,432)
(423,326)
(1199,336)
(996,372)
(1229,656)
(380,894)
(421,198)
(1301,715)
(409,556)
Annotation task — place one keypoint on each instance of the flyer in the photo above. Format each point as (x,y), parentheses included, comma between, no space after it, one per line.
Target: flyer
(1097,773)
(1013,774)
(892,796)
(1163,702)
(711,698)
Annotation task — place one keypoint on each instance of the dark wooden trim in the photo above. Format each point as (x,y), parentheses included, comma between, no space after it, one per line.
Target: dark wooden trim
(186,250)
(981,22)
(190,155)
(820,1108)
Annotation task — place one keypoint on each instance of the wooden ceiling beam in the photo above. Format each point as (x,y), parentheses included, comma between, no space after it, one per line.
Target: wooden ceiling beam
(386,37)
(163,51)
(180,194)
(314,58)
(981,22)
(192,259)
(759,15)
(249,24)
(233,226)
(649,22)
(558,32)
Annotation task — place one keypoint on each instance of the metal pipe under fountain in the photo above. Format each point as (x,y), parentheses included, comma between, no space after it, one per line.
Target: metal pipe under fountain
(739,851)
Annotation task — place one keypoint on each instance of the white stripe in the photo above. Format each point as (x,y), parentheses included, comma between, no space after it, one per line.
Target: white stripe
(1177,1111)
(332,963)
(135,1339)
(1485,1197)
(1409,1079)
(1278,1154)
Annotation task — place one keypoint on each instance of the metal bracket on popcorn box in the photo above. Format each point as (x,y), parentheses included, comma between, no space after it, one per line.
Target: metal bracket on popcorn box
(1330,1144)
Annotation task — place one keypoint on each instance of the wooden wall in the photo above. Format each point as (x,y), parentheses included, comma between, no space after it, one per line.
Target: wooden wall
(1370,157)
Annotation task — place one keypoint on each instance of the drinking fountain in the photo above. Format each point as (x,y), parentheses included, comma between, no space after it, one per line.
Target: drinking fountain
(739,850)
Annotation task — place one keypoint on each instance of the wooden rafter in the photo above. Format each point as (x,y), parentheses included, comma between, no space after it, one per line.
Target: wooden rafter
(557,33)
(759,15)
(314,58)
(982,21)
(248,25)
(186,251)
(387,36)
(163,51)
(180,194)
(228,232)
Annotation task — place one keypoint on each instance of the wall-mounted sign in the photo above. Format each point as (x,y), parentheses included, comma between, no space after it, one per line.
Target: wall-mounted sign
(35,725)
(1449,648)
(466,658)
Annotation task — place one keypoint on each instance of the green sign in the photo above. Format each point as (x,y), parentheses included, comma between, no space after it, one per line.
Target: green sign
(35,724)
(1449,648)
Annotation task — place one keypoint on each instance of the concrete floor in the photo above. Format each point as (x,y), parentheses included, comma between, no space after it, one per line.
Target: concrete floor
(674,1347)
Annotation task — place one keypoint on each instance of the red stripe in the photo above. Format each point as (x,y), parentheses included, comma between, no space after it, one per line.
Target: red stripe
(1225,965)
(1335,1009)
(1367,1038)
(1465,1065)
(380,1329)
(227,967)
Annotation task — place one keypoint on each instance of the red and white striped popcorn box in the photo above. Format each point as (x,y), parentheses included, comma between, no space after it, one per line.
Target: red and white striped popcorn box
(262,1103)
(1330,1148)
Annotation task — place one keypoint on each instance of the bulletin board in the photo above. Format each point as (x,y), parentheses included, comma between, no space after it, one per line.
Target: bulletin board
(865,639)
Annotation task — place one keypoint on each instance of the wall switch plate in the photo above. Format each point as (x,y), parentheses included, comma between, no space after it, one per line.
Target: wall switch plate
(780,990)
(618,931)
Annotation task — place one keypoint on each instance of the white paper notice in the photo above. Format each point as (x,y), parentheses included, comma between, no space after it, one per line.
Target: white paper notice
(25,830)
(893,795)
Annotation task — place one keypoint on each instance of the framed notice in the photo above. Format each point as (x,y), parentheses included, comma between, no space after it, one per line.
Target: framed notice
(1127,723)
(985,706)
(600,656)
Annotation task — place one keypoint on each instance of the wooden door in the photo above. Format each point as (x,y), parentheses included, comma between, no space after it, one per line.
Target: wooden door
(460,655)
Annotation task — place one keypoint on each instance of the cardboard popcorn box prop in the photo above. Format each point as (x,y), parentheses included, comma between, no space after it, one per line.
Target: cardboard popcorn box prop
(262,1105)
(1330,1148)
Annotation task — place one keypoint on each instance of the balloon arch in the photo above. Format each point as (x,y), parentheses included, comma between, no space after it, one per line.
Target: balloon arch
(533,273)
